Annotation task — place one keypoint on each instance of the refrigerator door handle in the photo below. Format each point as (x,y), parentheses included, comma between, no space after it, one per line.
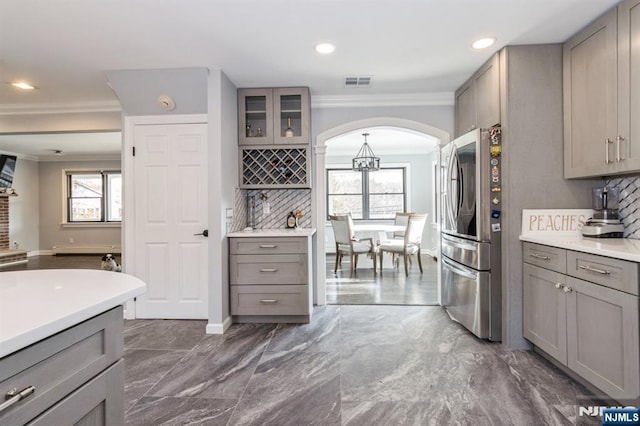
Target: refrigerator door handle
(463,246)
(459,271)
(452,191)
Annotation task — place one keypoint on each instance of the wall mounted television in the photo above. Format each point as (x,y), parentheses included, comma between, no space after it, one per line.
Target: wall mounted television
(7,170)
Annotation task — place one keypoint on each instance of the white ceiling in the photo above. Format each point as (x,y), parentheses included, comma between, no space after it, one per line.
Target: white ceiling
(383,141)
(408,47)
(74,146)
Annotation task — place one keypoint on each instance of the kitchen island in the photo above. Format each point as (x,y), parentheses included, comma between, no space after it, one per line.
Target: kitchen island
(61,345)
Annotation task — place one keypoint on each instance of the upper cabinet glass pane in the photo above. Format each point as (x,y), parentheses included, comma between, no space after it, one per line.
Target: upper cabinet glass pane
(255,116)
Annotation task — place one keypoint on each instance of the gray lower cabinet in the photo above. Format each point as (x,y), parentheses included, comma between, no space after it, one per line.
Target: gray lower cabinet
(586,317)
(77,376)
(545,310)
(270,279)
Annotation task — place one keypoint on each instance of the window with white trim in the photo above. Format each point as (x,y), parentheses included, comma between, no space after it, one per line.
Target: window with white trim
(367,195)
(94,196)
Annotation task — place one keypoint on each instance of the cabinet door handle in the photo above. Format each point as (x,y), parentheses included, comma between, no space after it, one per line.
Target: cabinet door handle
(14,396)
(540,256)
(607,142)
(559,286)
(567,289)
(269,301)
(268,246)
(590,269)
(269,270)
(619,140)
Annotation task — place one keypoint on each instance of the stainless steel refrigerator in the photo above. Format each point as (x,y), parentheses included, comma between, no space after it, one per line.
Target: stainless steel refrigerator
(471,231)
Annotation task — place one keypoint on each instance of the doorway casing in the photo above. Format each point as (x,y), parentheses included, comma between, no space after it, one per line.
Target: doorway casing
(319,185)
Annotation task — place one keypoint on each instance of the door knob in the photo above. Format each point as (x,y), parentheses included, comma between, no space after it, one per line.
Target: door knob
(204,233)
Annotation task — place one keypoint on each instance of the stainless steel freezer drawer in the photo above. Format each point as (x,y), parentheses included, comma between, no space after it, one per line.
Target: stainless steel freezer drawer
(473,254)
(466,295)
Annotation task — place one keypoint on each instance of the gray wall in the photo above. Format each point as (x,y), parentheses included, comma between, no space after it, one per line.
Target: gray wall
(51,207)
(24,219)
(532,162)
(138,90)
(223,179)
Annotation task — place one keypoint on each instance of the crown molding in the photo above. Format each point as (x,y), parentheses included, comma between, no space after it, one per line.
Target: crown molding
(70,108)
(375,100)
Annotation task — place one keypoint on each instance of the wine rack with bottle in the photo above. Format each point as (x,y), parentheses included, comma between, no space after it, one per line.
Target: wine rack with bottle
(276,167)
(274,116)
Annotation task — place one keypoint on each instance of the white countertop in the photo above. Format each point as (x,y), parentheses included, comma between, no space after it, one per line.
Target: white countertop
(274,232)
(619,248)
(35,304)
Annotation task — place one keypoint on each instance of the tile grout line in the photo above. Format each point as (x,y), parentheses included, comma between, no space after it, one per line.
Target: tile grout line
(187,352)
(252,374)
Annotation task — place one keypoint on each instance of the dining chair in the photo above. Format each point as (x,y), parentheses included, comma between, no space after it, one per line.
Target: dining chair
(346,242)
(401,219)
(409,245)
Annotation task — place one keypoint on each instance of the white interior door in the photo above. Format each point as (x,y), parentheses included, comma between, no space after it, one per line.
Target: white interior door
(170,168)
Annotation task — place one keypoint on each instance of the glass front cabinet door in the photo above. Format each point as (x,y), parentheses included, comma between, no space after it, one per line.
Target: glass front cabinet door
(279,116)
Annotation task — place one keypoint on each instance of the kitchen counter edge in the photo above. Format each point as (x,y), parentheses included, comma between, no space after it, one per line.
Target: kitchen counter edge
(37,304)
(273,232)
(618,248)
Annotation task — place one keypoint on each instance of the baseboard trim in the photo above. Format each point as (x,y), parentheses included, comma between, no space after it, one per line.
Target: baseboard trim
(34,253)
(213,328)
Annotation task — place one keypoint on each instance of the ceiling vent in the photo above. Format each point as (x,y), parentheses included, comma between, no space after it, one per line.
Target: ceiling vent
(358,81)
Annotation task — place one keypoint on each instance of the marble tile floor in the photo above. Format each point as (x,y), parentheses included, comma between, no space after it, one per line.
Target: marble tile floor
(391,287)
(352,365)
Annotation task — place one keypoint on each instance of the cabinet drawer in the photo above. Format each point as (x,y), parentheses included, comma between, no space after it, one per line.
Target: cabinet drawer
(97,403)
(270,300)
(268,269)
(547,257)
(614,273)
(60,364)
(267,245)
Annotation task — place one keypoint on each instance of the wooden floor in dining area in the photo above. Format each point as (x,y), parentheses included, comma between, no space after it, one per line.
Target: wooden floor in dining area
(391,287)
(61,261)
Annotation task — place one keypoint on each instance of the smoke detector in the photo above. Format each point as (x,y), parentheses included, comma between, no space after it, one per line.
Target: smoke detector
(166,102)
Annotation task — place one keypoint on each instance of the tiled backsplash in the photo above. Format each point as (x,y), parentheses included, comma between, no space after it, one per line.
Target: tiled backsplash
(281,202)
(629,205)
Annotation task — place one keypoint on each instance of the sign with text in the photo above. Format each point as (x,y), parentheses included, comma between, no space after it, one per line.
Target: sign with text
(565,222)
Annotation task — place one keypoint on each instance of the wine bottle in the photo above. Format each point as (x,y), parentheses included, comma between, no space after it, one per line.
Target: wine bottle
(289,133)
(291,220)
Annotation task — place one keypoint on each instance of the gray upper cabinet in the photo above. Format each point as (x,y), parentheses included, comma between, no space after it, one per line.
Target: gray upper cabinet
(628,138)
(478,99)
(274,116)
(465,108)
(601,93)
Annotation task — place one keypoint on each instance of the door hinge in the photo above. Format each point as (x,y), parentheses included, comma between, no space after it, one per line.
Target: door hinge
(134,151)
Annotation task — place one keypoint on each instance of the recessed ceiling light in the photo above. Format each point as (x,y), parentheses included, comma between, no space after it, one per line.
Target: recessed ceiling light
(483,43)
(23,85)
(325,48)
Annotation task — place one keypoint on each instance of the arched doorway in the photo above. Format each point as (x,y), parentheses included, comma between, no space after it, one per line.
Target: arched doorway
(319,184)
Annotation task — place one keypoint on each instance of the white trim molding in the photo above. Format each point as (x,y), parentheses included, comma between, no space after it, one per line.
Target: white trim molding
(213,328)
(377,100)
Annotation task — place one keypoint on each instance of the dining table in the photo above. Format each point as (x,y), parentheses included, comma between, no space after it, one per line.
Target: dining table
(378,227)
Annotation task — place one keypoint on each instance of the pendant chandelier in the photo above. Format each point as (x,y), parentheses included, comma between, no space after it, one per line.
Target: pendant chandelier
(365,159)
